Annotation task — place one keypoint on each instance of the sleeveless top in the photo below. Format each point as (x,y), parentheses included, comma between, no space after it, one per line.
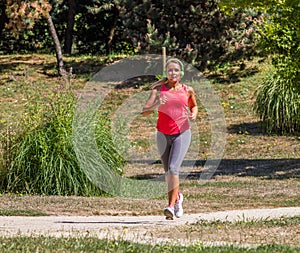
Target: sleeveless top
(173,116)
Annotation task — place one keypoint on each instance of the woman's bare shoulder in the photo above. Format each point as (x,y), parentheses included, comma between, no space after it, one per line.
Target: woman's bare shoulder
(189,89)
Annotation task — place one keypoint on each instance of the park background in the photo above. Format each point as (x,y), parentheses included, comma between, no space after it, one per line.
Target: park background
(50,49)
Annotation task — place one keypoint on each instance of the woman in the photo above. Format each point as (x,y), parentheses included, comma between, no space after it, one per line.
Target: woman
(173,100)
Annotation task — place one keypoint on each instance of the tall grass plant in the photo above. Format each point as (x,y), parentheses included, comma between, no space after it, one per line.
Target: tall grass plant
(39,157)
(278,103)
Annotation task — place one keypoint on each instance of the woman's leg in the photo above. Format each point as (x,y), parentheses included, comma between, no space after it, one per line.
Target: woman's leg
(180,146)
(172,150)
(164,147)
(173,188)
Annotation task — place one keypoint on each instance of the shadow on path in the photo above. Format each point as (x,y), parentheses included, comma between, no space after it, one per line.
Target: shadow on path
(264,168)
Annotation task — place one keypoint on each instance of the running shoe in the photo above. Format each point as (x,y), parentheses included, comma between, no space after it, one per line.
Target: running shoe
(169,213)
(178,209)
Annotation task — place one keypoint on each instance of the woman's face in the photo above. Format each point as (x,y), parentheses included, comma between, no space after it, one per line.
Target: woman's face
(173,71)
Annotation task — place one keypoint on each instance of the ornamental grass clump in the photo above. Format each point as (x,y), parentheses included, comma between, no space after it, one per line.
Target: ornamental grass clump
(278,104)
(39,158)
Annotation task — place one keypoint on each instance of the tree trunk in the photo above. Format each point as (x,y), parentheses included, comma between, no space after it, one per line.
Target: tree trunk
(70,27)
(59,58)
(3,17)
(112,29)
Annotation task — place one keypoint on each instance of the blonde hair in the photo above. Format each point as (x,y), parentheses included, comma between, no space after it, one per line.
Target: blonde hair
(158,83)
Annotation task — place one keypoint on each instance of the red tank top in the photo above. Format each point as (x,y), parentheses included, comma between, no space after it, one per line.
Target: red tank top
(173,116)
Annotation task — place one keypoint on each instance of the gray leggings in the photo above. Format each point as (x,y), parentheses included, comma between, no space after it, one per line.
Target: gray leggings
(172,150)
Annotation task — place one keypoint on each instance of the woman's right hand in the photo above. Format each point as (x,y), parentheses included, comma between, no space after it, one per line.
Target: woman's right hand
(163,100)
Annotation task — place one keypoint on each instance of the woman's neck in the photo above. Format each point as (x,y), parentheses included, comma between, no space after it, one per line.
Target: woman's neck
(174,85)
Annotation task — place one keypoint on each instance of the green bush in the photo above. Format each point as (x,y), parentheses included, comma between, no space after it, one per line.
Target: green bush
(278,29)
(278,104)
(40,158)
(198,32)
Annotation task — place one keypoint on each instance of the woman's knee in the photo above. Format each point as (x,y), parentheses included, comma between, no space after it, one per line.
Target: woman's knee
(173,171)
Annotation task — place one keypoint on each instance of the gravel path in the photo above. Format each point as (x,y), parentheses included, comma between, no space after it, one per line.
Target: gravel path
(133,228)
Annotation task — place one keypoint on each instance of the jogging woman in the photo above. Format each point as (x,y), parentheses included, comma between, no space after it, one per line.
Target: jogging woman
(176,105)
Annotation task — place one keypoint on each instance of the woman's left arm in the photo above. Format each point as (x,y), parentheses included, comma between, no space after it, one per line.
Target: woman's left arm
(192,103)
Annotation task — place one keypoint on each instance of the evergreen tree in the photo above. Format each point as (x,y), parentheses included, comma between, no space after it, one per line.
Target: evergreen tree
(196,31)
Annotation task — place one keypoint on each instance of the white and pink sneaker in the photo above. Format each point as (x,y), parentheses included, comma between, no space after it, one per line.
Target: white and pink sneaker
(178,209)
(169,212)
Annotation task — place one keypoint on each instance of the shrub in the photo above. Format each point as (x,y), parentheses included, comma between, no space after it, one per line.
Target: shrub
(40,157)
(278,104)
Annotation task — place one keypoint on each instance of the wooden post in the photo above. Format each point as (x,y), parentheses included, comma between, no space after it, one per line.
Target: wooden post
(164,58)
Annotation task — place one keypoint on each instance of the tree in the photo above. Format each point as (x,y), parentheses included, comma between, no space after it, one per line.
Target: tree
(3,17)
(70,26)
(196,31)
(278,97)
(59,57)
(99,26)
(23,15)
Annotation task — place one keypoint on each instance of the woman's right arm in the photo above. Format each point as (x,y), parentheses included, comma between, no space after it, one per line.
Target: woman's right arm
(152,103)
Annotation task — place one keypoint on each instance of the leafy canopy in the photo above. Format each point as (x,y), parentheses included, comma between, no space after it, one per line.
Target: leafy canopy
(228,5)
(24,14)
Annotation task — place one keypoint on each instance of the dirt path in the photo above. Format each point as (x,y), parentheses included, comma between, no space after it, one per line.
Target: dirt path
(133,228)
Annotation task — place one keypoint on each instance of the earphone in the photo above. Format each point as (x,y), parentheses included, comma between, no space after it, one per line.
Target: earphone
(176,61)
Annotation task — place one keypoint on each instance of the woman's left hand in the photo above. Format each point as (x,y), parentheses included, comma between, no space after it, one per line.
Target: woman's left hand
(193,116)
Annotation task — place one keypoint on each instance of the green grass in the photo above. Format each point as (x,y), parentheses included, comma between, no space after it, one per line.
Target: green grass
(13,212)
(276,231)
(90,244)
(255,223)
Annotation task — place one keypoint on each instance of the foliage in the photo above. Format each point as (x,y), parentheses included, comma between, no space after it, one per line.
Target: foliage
(280,37)
(24,14)
(278,96)
(229,5)
(278,104)
(278,99)
(33,40)
(95,23)
(39,158)
(197,32)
